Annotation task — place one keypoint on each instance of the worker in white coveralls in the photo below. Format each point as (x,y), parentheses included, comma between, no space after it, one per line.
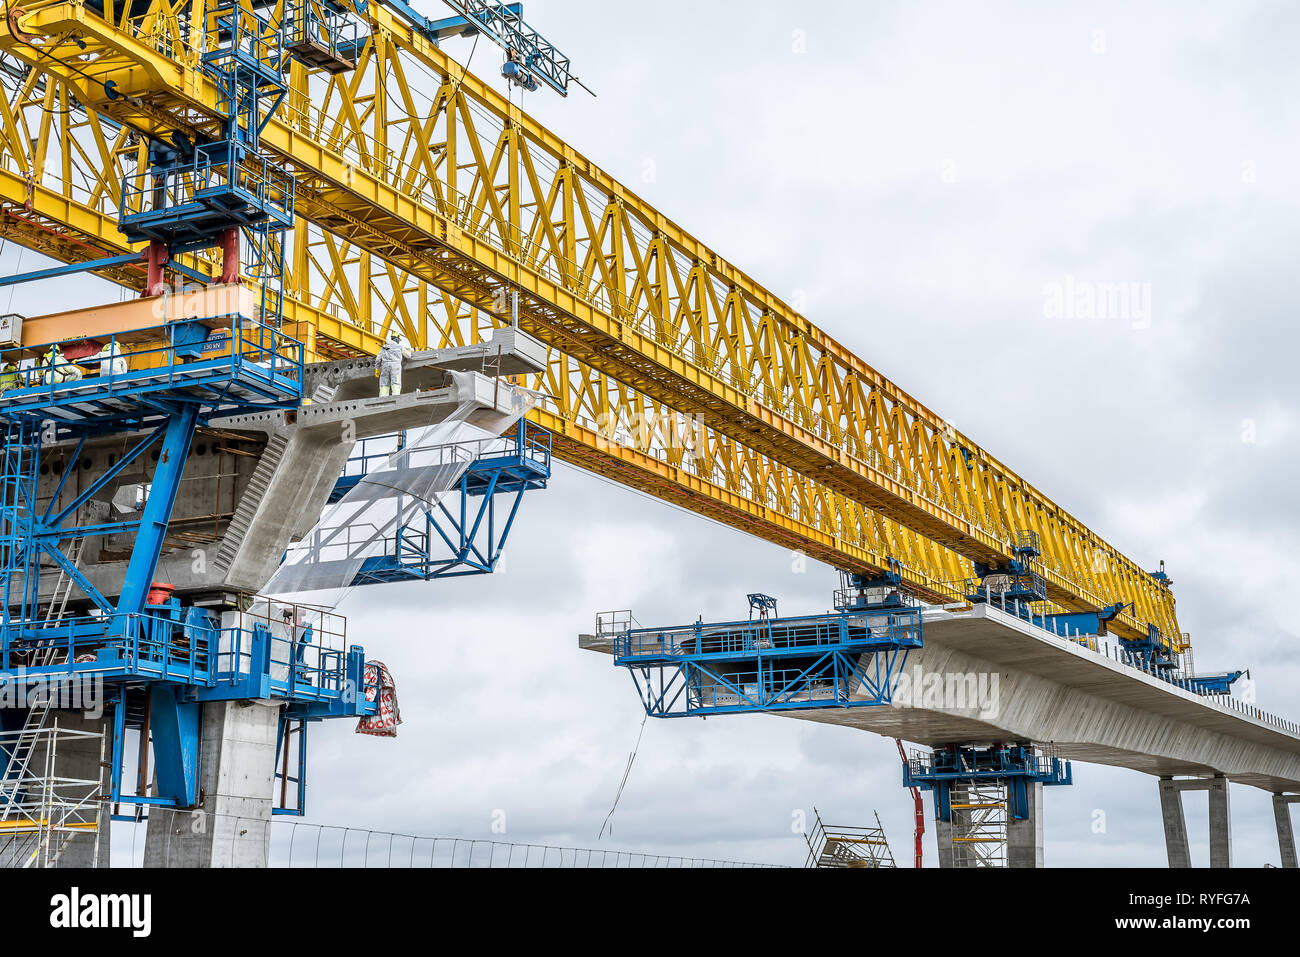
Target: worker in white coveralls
(57,368)
(111,360)
(391,355)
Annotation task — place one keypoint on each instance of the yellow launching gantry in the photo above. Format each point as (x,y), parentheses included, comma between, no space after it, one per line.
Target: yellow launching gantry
(427,201)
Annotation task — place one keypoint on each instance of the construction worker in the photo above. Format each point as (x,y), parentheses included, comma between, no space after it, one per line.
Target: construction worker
(10,377)
(111,360)
(391,355)
(56,368)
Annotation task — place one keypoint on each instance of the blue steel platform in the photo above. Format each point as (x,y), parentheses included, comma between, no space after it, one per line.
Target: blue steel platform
(221,365)
(846,659)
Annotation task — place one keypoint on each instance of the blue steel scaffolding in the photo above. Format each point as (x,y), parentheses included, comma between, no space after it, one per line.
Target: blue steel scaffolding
(468,537)
(1011,767)
(848,658)
(157,660)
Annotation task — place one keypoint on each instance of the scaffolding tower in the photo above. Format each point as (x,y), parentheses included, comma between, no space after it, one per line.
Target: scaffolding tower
(847,846)
(979,825)
(41,811)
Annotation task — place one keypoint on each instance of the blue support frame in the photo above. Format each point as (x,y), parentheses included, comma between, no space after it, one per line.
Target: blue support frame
(176,725)
(193,195)
(1012,767)
(470,537)
(847,659)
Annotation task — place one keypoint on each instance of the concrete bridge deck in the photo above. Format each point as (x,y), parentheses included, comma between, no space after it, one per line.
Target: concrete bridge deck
(1052,691)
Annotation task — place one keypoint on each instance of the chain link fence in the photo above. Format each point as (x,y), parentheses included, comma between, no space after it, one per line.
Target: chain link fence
(299,844)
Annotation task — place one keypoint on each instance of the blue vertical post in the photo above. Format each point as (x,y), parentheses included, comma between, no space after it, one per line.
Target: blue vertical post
(176,726)
(158,510)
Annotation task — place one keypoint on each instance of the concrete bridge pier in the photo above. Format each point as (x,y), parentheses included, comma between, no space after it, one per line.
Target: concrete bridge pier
(1171,808)
(1025,837)
(1285,833)
(232,826)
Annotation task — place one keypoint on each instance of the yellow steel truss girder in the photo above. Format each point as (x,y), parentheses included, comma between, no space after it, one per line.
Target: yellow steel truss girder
(642,301)
(777,504)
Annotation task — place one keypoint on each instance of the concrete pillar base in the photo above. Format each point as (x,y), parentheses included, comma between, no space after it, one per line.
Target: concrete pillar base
(1171,810)
(1220,823)
(1025,838)
(232,827)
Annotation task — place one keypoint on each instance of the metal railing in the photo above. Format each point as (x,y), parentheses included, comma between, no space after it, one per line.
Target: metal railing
(148,643)
(1042,761)
(1117,654)
(216,171)
(306,21)
(303,648)
(170,355)
(902,627)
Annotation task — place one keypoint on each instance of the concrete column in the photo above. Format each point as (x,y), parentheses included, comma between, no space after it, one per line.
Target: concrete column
(1025,838)
(1220,823)
(232,828)
(1171,810)
(1285,833)
(943,840)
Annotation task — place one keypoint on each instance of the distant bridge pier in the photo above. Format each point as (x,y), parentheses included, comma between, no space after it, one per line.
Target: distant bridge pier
(1175,823)
(1285,833)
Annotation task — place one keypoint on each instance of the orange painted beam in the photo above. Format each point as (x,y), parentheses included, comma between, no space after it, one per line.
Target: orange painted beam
(100,322)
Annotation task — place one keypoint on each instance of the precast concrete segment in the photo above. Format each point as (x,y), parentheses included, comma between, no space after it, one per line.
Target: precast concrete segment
(256,482)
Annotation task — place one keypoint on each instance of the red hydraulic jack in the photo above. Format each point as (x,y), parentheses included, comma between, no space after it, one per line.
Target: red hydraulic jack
(920,807)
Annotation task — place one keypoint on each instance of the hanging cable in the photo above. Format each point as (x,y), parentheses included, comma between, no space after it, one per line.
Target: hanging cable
(627,771)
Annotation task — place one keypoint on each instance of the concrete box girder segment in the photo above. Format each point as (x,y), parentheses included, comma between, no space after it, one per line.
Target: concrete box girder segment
(282,465)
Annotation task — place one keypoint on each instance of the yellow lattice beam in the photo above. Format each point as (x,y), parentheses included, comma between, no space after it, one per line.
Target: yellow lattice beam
(425,211)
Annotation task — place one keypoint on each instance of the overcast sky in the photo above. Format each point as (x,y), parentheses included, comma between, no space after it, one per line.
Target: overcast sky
(921,175)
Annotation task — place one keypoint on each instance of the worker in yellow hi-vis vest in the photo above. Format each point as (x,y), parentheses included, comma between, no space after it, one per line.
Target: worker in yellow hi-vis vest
(55,368)
(10,377)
